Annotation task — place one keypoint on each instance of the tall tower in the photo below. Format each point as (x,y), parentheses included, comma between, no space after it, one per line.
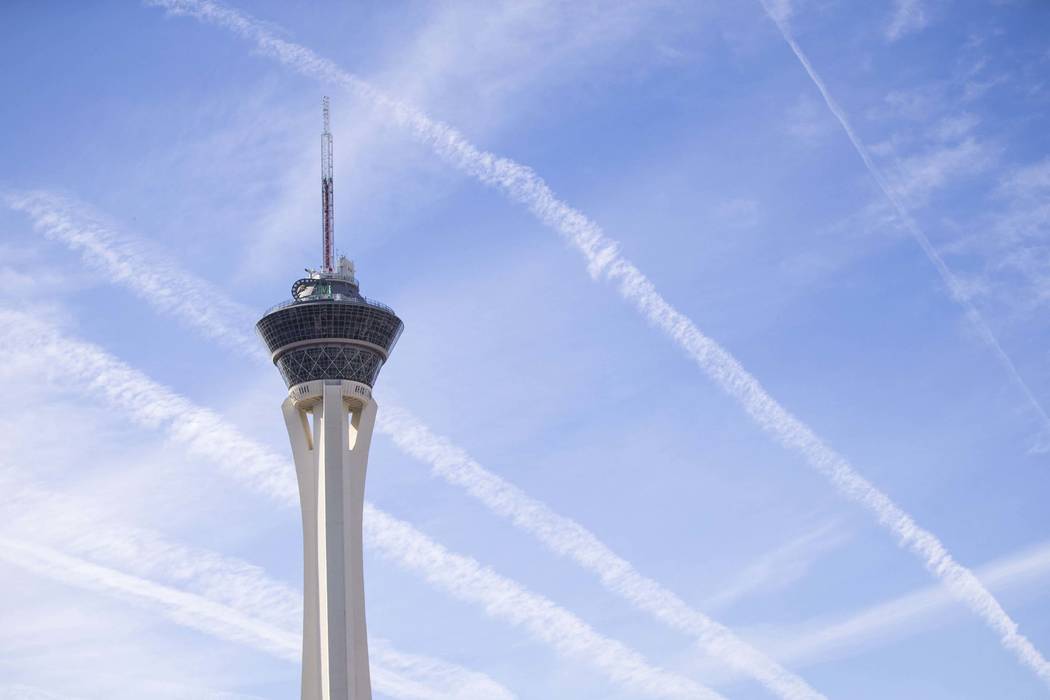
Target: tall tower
(329,343)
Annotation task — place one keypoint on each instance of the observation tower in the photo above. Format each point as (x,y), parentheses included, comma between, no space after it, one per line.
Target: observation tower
(329,343)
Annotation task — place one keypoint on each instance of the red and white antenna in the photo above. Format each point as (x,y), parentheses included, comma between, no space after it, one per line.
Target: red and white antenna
(327,194)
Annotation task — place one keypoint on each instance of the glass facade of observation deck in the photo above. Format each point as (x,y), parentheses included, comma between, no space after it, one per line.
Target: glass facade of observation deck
(330,336)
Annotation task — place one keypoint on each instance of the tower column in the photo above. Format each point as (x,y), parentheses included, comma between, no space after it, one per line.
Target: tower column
(331,458)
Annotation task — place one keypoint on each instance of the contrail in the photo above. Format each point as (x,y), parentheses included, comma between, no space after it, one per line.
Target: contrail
(831,638)
(84,231)
(603,258)
(206,434)
(956,290)
(567,537)
(59,217)
(46,519)
(466,579)
(185,609)
(910,612)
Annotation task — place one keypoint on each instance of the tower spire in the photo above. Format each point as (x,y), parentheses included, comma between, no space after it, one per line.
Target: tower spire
(327,194)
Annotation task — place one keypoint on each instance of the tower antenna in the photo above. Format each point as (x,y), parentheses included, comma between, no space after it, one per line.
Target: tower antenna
(327,193)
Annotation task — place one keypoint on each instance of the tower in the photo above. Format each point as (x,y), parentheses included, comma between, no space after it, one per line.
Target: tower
(329,343)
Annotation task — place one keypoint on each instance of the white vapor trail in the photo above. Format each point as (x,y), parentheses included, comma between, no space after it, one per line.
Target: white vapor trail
(79,364)
(164,288)
(602,257)
(911,612)
(185,609)
(568,538)
(468,580)
(57,217)
(956,290)
(40,519)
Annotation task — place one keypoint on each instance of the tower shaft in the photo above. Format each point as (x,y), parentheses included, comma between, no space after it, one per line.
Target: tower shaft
(330,425)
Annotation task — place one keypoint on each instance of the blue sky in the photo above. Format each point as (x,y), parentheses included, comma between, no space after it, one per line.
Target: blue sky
(160,190)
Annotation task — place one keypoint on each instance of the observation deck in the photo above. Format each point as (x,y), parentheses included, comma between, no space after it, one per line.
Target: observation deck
(328,330)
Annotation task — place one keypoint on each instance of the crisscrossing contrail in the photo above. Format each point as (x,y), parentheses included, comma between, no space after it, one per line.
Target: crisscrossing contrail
(50,532)
(208,435)
(955,289)
(186,609)
(603,259)
(227,321)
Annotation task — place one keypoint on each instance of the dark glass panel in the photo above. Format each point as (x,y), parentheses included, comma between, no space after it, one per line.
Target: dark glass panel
(307,321)
(329,362)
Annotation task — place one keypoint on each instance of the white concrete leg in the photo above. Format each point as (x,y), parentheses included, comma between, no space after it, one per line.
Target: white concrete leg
(331,462)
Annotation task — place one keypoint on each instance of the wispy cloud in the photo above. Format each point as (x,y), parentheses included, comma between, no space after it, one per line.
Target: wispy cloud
(602,257)
(25,692)
(957,290)
(1010,242)
(828,639)
(475,63)
(62,358)
(919,175)
(103,248)
(908,16)
(502,598)
(791,431)
(185,609)
(780,567)
(201,431)
(49,521)
(562,535)
(568,538)
(806,121)
(80,527)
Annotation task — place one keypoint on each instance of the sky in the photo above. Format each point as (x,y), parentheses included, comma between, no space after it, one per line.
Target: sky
(724,370)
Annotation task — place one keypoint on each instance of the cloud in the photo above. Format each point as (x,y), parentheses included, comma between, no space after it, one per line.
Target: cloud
(909,16)
(602,257)
(25,692)
(781,10)
(566,537)
(62,524)
(209,436)
(806,120)
(1009,245)
(780,567)
(739,212)
(828,639)
(120,257)
(793,433)
(184,609)
(524,185)
(918,176)
(560,534)
(601,254)
(466,579)
(470,61)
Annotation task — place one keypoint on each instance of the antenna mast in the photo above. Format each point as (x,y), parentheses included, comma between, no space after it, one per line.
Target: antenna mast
(327,194)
